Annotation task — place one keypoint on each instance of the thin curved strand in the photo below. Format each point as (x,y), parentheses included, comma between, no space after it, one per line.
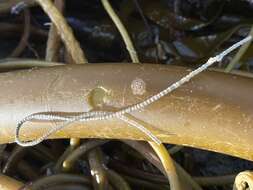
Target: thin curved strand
(145,184)
(239,54)
(23,167)
(14,158)
(25,36)
(152,157)
(140,127)
(117,180)
(195,182)
(187,177)
(12,5)
(168,165)
(98,173)
(13,63)
(122,30)
(47,181)
(215,180)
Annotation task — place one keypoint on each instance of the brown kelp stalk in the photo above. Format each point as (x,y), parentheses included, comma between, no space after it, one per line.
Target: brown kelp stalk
(97,116)
(181,118)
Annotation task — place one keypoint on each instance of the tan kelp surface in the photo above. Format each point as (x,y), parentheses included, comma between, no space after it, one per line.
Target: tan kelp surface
(214,111)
